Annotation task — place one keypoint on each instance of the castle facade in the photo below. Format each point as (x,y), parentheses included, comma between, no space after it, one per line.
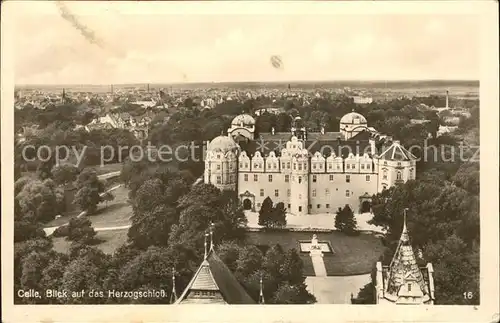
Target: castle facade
(310,172)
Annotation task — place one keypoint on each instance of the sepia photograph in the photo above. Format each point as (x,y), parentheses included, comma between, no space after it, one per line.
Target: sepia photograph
(190,155)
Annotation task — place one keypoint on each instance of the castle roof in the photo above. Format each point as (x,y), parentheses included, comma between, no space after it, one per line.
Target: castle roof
(222,144)
(397,152)
(325,143)
(214,283)
(353,117)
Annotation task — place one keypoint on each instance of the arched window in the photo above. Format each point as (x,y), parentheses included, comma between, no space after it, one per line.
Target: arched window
(300,179)
(384,174)
(398,175)
(411,173)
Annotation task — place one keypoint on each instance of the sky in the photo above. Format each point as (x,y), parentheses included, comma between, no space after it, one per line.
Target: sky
(65,43)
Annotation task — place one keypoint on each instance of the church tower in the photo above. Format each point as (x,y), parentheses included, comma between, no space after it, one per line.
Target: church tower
(403,281)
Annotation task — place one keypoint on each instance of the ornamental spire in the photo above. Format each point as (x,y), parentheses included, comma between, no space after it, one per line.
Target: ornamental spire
(211,236)
(261,293)
(205,256)
(173,295)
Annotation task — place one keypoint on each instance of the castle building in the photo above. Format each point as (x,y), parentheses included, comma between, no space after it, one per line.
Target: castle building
(403,281)
(310,172)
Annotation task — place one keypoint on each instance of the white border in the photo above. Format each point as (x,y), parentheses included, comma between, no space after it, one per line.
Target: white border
(297,313)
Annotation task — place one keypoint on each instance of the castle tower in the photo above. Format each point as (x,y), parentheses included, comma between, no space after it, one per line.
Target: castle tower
(403,281)
(395,165)
(299,183)
(351,124)
(221,163)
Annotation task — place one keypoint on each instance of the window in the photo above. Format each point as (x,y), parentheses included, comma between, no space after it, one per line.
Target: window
(300,208)
(283,165)
(411,173)
(330,166)
(362,166)
(353,166)
(305,166)
(218,167)
(384,174)
(276,193)
(398,175)
(409,287)
(246,165)
(385,163)
(289,206)
(275,165)
(338,167)
(245,177)
(347,166)
(314,178)
(241,165)
(314,193)
(288,193)
(287,178)
(230,166)
(347,193)
(255,177)
(294,166)
(219,180)
(348,178)
(288,165)
(270,177)
(261,192)
(300,179)
(368,166)
(399,164)
(327,192)
(318,206)
(367,178)
(328,206)
(255,165)
(331,178)
(314,166)
(300,166)
(309,206)
(300,196)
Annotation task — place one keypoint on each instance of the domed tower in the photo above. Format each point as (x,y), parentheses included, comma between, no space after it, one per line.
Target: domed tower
(242,128)
(221,163)
(299,184)
(351,124)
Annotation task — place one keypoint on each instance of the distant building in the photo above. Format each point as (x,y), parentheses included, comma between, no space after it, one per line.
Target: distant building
(403,281)
(362,99)
(446,130)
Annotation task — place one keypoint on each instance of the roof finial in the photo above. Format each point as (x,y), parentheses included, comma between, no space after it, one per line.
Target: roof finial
(261,294)
(404,234)
(352,109)
(173,296)
(206,235)
(211,236)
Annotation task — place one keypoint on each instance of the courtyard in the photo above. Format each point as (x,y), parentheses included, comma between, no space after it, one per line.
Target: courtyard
(352,255)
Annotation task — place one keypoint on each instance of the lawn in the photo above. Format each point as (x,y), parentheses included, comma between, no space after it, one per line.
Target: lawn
(352,255)
(114,213)
(107,241)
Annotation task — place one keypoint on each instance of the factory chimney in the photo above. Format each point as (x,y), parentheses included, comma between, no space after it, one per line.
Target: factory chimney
(447,99)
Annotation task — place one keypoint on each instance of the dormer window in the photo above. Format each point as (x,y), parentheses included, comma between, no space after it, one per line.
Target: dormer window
(398,176)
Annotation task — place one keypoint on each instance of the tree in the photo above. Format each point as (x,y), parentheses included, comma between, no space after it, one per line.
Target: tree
(80,230)
(64,173)
(345,221)
(40,201)
(278,216)
(266,212)
(89,189)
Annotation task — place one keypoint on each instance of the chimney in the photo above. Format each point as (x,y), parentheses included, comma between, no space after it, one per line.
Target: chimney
(446,99)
